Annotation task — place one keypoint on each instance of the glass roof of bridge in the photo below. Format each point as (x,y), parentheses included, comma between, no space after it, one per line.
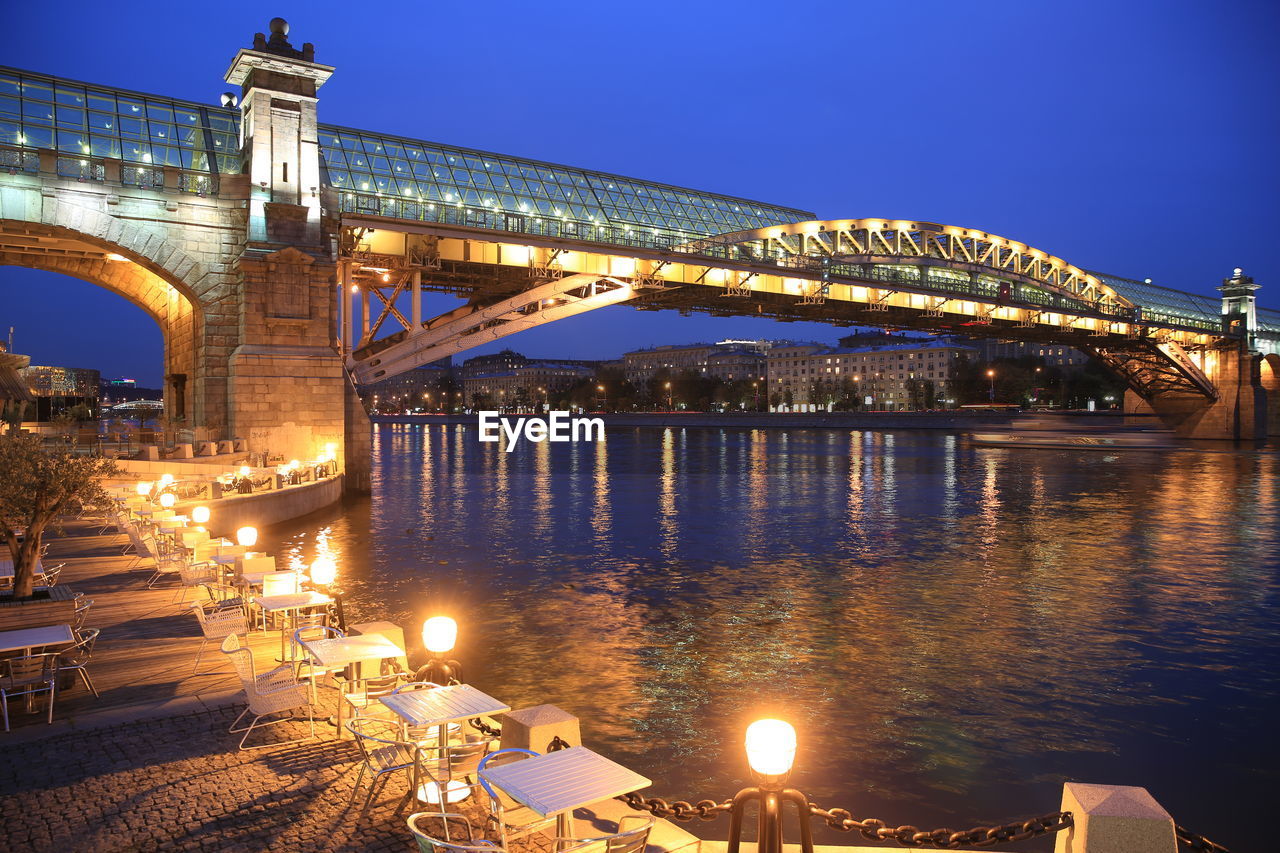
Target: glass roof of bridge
(410,169)
(38,111)
(1166,301)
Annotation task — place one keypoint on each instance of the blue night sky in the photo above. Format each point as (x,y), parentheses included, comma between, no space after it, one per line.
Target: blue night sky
(1136,138)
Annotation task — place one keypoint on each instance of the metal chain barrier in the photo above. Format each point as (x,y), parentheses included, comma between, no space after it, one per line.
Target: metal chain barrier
(679,810)
(876,830)
(906,836)
(484,728)
(944,839)
(1198,843)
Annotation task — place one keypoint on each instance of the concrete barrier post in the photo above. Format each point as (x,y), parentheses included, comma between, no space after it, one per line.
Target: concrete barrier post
(1114,819)
(535,728)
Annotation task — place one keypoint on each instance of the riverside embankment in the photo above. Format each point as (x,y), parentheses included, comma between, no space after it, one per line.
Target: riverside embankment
(940,420)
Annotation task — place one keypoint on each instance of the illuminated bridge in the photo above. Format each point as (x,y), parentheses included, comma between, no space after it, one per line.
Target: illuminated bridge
(283,257)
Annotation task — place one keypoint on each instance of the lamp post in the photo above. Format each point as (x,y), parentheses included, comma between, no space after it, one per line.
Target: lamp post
(771,750)
(670,405)
(600,397)
(439,633)
(324,571)
(991,377)
(247,537)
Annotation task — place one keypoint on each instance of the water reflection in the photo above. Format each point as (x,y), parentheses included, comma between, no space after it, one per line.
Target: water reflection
(953,630)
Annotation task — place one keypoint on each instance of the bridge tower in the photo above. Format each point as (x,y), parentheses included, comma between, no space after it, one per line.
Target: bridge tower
(1247,402)
(287,387)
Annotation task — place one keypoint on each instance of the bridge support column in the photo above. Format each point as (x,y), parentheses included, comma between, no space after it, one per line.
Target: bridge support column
(415,303)
(1239,413)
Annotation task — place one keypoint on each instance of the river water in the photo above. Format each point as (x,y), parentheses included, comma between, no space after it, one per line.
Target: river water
(954,631)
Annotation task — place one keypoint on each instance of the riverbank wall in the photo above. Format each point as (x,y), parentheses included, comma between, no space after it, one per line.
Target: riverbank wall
(955,421)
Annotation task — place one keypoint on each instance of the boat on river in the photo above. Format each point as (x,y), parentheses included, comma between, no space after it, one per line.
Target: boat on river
(1118,440)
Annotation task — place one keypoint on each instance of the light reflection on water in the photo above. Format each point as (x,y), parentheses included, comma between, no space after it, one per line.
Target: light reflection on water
(953,630)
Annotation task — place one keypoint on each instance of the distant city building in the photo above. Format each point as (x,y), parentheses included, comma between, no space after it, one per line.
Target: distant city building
(57,389)
(729,360)
(529,383)
(900,376)
(1054,355)
(46,381)
(411,388)
(506,360)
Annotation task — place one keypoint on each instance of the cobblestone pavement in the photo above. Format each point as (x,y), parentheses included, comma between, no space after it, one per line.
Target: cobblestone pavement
(178,783)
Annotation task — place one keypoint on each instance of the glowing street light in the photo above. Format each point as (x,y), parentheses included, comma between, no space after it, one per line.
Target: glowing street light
(324,571)
(991,376)
(167,500)
(200,515)
(439,634)
(247,537)
(771,747)
(143,489)
(771,751)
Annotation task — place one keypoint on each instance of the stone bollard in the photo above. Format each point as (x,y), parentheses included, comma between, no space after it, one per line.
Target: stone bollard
(390,630)
(225,447)
(181,451)
(1114,819)
(535,728)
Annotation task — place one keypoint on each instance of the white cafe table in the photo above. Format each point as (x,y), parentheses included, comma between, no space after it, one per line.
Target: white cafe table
(556,783)
(290,604)
(6,567)
(26,639)
(172,525)
(335,652)
(440,707)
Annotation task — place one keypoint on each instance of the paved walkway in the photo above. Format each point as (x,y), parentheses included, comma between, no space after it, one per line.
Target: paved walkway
(143,660)
(150,765)
(178,783)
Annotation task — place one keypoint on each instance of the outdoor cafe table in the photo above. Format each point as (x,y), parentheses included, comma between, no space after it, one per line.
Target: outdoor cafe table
(290,605)
(6,567)
(172,525)
(559,782)
(440,707)
(334,652)
(26,639)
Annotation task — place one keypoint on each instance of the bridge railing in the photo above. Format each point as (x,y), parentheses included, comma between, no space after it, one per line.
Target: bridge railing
(919,277)
(106,170)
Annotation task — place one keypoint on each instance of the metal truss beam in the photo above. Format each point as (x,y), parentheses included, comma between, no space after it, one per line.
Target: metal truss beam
(1157,369)
(880,241)
(472,325)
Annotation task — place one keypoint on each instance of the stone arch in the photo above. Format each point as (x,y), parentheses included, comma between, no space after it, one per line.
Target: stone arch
(1270,380)
(143,280)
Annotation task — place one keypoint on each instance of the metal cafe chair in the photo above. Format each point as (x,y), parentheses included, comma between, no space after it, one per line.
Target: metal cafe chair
(624,840)
(428,843)
(76,658)
(382,754)
(268,693)
(507,817)
(27,676)
(217,623)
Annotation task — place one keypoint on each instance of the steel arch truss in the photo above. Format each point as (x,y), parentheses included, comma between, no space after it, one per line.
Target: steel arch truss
(472,325)
(1157,369)
(882,241)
